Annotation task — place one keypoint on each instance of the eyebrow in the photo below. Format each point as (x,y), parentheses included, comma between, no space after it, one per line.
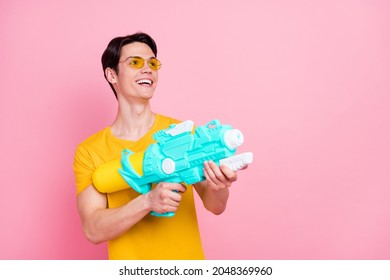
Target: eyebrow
(138,56)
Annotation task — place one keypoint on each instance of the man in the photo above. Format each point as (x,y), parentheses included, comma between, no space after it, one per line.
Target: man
(122,218)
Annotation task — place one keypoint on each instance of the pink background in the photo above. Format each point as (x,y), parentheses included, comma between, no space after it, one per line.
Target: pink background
(307,82)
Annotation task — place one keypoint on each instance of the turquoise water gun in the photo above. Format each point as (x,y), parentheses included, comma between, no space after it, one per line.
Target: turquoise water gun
(177,156)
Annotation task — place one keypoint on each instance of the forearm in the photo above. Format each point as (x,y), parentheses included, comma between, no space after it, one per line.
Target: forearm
(213,200)
(101,223)
(107,224)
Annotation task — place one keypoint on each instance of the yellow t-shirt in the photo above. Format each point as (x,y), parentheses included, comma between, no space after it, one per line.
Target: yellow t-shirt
(152,237)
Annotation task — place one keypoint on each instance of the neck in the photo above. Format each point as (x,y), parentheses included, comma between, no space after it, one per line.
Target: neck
(132,121)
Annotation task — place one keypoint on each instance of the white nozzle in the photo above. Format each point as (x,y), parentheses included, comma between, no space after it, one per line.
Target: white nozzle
(233,138)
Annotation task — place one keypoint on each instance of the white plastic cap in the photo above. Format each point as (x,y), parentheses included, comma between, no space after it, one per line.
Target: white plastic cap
(168,166)
(179,128)
(233,138)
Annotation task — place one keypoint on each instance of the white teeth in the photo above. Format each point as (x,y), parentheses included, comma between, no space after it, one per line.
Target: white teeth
(144,81)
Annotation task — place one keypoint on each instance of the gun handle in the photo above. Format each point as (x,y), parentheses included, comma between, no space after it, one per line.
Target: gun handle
(168,214)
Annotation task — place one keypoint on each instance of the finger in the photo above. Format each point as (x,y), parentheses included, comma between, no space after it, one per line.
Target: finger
(210,182)
(165,209)
(214,182)
(229,174)
(210,174)
(173,203)
(182,188)
(175,196)
(218,173)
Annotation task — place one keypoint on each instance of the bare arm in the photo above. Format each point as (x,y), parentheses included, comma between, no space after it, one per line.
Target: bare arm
(214,191)
(101,223)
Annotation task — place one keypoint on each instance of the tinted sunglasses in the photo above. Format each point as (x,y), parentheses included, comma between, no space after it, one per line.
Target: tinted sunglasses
(138,62)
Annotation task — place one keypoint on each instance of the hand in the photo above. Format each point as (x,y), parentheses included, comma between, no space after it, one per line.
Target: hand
(165,197)
(217,177)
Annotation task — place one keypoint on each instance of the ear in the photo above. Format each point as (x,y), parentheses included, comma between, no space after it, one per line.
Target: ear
(111,75)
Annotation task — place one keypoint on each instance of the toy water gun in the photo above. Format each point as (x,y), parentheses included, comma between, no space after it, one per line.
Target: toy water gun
(177,156)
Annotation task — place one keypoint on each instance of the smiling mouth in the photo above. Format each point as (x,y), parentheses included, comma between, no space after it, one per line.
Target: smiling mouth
(147,82)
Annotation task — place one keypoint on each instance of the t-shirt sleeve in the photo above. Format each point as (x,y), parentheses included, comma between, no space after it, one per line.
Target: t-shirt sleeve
(83,167)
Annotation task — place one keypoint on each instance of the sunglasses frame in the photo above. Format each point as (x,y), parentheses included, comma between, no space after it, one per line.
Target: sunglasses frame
(130,59)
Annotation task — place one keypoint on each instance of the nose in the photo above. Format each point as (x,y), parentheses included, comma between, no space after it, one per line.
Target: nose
(146,68)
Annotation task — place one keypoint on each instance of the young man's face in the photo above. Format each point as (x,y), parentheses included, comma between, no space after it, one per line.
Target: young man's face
(133,82)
